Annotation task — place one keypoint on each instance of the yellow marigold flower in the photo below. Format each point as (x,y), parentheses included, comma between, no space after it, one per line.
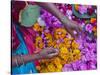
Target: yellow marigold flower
(57,63)
(63,62)
(43,70)
(56,60)
(48,35)
(76,7)
(58,70)
(76,54)
(38,38)
(76,57)
(64,56)
(67,42)
(49,39)
(64,50)
(76,51)
(37,27)
(75,45)
(66,45)
(60,33)
(39,43)
(68,39)
(60,45)
(51,67)
(59,66)
(69,60)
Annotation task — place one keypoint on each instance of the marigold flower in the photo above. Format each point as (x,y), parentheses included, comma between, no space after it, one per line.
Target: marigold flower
(75,45)
(37,27)
(93,20)
(64,50)
(76,7)
(39,43)
(60,33)
(76,54)
(64,44)
(49,40)
(51,67)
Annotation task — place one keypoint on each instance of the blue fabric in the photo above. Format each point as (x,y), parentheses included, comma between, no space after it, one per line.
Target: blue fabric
(22,49)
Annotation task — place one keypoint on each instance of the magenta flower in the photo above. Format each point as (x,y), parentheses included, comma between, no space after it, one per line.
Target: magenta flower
(83,66)
(82,9)
(67,67)
(89,28)
(69,12)
(88,59)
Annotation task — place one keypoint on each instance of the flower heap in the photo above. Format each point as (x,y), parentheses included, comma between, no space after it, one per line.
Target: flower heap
(72,57)
(68,49)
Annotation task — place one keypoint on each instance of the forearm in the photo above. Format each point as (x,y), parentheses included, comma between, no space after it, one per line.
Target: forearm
(50,7)
(19,60)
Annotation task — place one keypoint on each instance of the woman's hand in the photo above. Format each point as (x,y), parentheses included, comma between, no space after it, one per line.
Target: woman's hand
(48,53)
(68,24)
(72,26)
(18,60)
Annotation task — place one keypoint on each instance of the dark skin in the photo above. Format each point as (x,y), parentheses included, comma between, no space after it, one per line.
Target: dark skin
(49,52)
(44,54)
(68,24)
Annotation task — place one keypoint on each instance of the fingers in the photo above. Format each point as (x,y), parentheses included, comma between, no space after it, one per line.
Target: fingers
(53,54)
(78,32)
(56,51)
(77,27)
(53,50)
(80,28)
(71,33)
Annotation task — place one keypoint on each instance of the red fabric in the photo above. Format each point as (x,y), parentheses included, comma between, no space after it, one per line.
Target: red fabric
(29,37)
(28,33)
(31,2)
(17,6)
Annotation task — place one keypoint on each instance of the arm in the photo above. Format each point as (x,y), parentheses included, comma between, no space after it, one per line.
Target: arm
(50,7)
(43,54)
(68,24)
(17,60)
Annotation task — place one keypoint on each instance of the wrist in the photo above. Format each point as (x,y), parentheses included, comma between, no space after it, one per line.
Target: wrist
(36,56)
(64,20)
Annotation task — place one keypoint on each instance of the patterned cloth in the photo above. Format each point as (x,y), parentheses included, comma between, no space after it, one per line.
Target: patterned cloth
(22,49)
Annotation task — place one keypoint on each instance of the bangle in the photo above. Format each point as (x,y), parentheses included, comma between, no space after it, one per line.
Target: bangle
(22,59)
(16,61)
